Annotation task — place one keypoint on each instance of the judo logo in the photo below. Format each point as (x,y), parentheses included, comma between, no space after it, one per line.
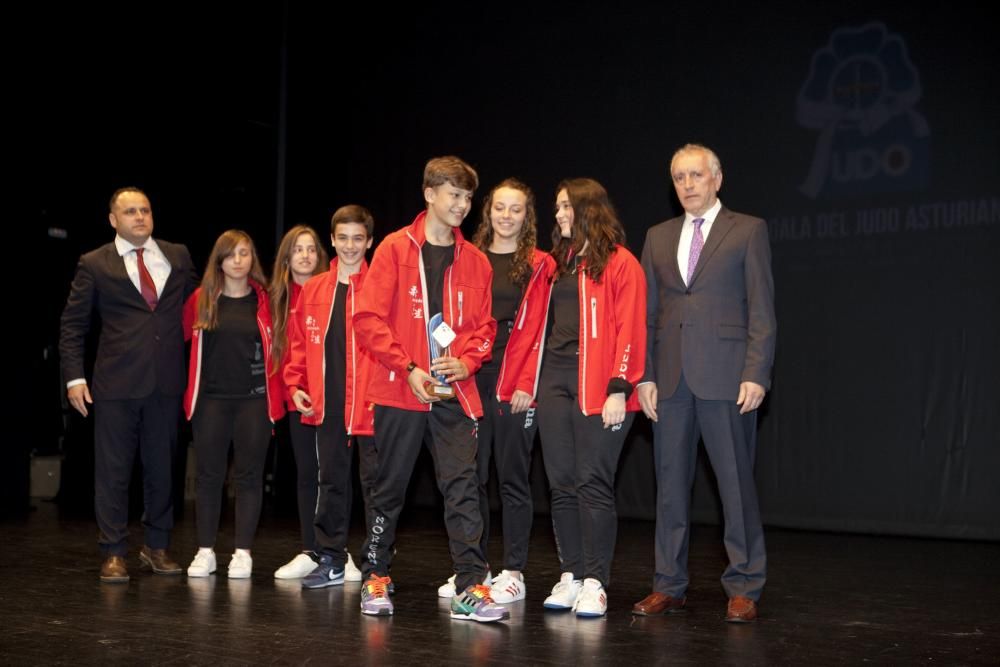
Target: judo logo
(861,95)
(416,303)
(312,327)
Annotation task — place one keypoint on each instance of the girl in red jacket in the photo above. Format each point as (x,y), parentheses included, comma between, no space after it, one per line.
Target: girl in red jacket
(230,396)
(300,256)
(507,235)
(578,348)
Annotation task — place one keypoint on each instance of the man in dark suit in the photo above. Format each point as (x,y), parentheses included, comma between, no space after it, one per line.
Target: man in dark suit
(138,287)
(708,365)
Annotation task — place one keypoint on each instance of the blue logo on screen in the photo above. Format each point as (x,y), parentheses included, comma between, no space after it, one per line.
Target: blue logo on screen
(861,95)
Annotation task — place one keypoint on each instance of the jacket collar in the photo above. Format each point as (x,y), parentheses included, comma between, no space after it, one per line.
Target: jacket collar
(336,260)
(416,232)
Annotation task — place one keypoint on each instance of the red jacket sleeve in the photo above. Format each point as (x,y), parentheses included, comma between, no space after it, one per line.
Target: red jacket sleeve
(190,314)
(532,318)
(479,346)
(374,312)
(294,371)
(629,292)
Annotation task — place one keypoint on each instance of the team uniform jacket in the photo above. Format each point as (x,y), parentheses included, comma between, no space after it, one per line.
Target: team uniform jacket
(275,404)
(306,367)
(612,332)
(294,290)
(538,260)
(391,316)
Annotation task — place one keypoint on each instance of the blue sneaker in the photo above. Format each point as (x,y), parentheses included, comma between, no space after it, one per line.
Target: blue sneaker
(475,604)
(325,574)
(375,596)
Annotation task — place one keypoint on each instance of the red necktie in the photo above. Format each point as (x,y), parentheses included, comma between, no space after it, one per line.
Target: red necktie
(147,287)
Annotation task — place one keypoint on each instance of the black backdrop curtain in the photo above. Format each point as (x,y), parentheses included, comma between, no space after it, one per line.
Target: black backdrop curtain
(866,135)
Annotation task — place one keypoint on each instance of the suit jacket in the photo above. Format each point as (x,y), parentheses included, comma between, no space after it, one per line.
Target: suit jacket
(139,350)
(720,330)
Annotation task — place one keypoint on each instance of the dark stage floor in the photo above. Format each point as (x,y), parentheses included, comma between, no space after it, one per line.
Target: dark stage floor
(831,599)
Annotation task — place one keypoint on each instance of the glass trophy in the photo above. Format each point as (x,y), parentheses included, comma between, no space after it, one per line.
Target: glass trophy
(438,331)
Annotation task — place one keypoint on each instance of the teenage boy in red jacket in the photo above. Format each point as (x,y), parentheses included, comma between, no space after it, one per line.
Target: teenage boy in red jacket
(326,374)
(420,275)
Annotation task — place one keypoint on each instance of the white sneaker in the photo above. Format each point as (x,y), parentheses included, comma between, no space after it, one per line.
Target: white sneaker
(507,588)
(565,593)
(203,563)
(296,568)
(240,565)
(592,601)
(447,589)
(351,571)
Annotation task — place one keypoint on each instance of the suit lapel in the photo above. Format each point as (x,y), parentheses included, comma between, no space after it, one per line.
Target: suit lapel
(116,264)
(720,228)
(673,241)
(174,260)
(116,269)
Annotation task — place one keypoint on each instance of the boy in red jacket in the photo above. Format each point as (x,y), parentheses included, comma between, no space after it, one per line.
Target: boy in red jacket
(429,289)
(326,375)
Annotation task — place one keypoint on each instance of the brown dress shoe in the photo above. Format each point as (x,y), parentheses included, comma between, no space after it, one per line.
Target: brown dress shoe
(159,561)
(656,604)
(741,610)
(113,570)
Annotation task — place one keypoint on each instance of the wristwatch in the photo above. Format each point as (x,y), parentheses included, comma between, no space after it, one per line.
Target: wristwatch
(410,366)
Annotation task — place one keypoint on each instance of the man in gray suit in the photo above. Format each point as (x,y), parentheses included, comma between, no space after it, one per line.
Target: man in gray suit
(708,366)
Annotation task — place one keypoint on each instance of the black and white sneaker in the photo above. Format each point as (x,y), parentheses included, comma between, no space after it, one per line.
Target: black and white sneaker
(325,574)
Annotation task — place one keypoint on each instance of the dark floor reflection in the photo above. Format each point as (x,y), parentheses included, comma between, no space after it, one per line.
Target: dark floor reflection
(830,599)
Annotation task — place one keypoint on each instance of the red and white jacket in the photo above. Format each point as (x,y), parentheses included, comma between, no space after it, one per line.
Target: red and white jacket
(612,332)
(391,316)
(306,367)
(538,260)
(294,290)
(275,404)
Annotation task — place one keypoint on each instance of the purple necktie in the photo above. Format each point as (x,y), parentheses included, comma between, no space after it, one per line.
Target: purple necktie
(146,284)
(697,243)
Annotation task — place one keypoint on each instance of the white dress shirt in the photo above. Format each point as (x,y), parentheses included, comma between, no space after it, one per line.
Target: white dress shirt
(687,233)
(154,259)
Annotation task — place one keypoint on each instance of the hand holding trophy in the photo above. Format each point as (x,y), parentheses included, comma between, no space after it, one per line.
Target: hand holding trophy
(444,368)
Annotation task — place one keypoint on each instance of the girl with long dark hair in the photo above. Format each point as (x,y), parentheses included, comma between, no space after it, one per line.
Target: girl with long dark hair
(578,349)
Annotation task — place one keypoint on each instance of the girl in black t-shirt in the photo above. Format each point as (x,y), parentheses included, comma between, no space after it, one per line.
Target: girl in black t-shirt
(507,234)
(230,397)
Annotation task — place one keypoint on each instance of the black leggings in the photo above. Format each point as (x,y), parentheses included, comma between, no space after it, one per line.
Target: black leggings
(303,437)
(507,439)
(216,423)
(581,458)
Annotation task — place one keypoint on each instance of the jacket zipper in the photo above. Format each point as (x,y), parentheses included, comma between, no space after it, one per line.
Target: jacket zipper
(593,317)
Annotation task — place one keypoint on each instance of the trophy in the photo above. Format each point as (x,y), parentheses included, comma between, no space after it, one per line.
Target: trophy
(439,337)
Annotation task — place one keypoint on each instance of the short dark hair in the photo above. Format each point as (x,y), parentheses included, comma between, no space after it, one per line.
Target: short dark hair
(450,169)
(119,192)
(353,213)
